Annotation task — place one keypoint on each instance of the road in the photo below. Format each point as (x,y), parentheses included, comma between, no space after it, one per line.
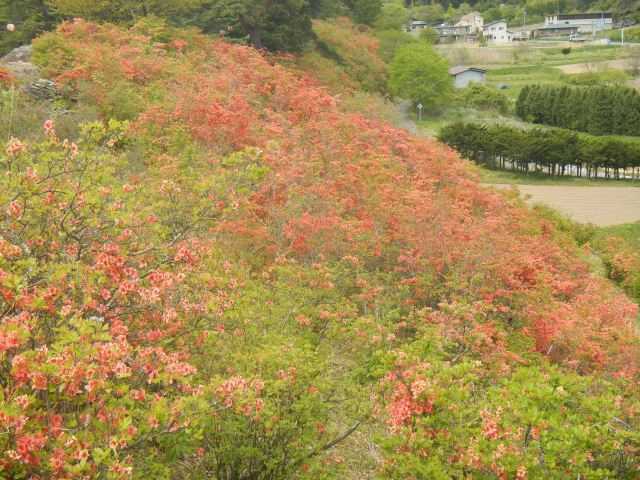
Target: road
(602,206)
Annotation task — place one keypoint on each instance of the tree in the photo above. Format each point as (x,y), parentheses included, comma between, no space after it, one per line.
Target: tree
(280,25)
(365,11)
(429,35)
(31,17)
(391,40)
(429,13)
(418,73)
(392,17)
(122,10)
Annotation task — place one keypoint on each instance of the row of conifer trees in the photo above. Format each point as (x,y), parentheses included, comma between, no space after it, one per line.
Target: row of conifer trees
(598,110)
(552,151)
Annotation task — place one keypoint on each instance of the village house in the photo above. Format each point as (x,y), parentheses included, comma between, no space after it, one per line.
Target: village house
(584,22)
(497,32)
(473,21)
(463,76)
(555,31)
(417,26)
(449,33)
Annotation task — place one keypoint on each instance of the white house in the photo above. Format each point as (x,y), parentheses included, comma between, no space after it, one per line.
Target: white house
(585,22)
(463,76)
(497,32)
(473,21)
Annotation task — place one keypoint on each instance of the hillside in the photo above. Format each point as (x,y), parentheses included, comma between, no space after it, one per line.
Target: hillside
(227,273)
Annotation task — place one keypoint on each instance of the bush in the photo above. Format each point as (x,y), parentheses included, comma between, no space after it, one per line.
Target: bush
(356,53)
(484,97)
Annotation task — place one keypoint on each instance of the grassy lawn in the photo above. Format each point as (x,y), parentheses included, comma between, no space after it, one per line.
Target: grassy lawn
(432,123)
(515,178)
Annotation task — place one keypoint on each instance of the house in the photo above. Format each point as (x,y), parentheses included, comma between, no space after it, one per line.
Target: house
(448,32)
(555,31)
(497,32)
(463,76)
(585,22)
(473,21)
(525,32)
(417,25)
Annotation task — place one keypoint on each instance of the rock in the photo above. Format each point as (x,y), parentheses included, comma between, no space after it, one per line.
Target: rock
(18,63)
(42,89)
(20,54)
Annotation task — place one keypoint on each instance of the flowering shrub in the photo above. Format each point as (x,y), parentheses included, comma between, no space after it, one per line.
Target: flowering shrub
(246,279)
(6,78)
(347,53)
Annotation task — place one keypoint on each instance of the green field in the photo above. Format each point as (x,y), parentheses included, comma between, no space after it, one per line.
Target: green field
(534,62)
(515,178)
(432,123)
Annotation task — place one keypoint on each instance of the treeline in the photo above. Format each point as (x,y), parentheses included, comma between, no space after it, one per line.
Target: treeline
(552,151)
(598,110)
(278,26)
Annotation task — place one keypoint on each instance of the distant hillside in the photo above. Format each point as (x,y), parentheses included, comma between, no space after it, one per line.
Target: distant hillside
(517,12)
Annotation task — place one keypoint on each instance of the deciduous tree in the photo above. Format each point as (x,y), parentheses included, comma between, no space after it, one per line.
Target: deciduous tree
(419,74)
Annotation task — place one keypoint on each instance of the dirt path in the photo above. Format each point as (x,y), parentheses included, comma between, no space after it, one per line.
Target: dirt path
(407,123)
(602,206)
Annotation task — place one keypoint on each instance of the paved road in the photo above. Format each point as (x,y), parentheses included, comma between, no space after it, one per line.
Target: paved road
(602,206)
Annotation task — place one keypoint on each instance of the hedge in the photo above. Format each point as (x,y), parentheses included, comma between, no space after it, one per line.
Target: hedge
(551,151)
(598,110)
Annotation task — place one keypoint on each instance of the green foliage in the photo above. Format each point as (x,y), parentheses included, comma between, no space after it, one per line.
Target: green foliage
(539,422)
(631,34)
(554,151)
(597,110)
(284,25)
(351,52)
(429,35)
(484,97)
(31,17)
(365,11)
(607,77)
(122,10)
(393,16)
(419,74)
(49,51)
(391,41)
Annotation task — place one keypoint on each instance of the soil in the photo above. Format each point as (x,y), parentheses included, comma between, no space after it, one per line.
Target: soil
(601,206)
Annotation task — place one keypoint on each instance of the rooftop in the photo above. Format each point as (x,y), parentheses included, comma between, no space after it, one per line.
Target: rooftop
(461,69)
(494,22)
